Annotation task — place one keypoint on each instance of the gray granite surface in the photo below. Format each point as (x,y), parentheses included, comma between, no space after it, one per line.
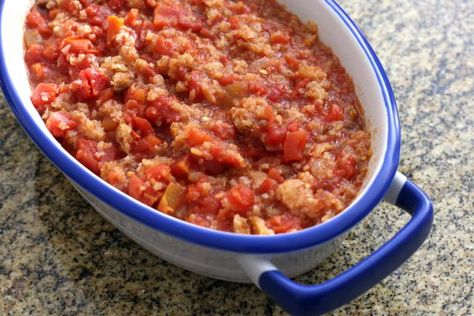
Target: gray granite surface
(58,256)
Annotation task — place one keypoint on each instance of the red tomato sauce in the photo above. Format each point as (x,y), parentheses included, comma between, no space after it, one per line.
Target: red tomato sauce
(226,114)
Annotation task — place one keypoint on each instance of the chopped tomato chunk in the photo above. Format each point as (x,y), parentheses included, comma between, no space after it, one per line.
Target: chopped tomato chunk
(275,174)
(137,94)
(201,200)
(293,147)
(147,145)
(172,14)
(113,27)
(92,83)
(165,46)
(59,123)
(221,155)
(105,95)
(109,154)
(34,19)
(142,125)
(197,136)
(34,54)
(51,50)
(159,172)
(78,45)
(280,38)
(97,14)
(335,113)
(194,83)
(276,92)
(256,87)
(161,110)
(198,219)
(43,95)
(223,130)
(134,108)
(138,190)
(165,15)
(275,135)
(292,62)
(38,71)
(86,150)
(187,21)
(293,126)
(298,88)
(241,199)
(227,79)
(347,166)
(131,17)
(134,187)
(210,204)
(284,223)
(268,185)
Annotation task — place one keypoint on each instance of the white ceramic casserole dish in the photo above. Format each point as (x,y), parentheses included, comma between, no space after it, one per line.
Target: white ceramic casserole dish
(243,258)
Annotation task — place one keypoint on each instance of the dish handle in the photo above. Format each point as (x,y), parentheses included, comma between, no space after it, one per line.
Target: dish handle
(298,299)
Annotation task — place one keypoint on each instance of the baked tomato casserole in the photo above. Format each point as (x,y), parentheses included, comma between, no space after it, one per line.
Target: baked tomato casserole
(227,114)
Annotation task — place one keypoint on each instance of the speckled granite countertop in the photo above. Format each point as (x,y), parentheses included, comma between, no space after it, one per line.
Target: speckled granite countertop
(58,256)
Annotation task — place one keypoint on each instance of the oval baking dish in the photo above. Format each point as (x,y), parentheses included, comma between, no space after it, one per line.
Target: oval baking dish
(268,261)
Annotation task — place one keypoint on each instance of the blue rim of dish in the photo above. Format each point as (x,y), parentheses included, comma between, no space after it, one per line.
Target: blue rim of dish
(212,238)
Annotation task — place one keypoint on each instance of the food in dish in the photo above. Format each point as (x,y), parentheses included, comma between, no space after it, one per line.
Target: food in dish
(229,115)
